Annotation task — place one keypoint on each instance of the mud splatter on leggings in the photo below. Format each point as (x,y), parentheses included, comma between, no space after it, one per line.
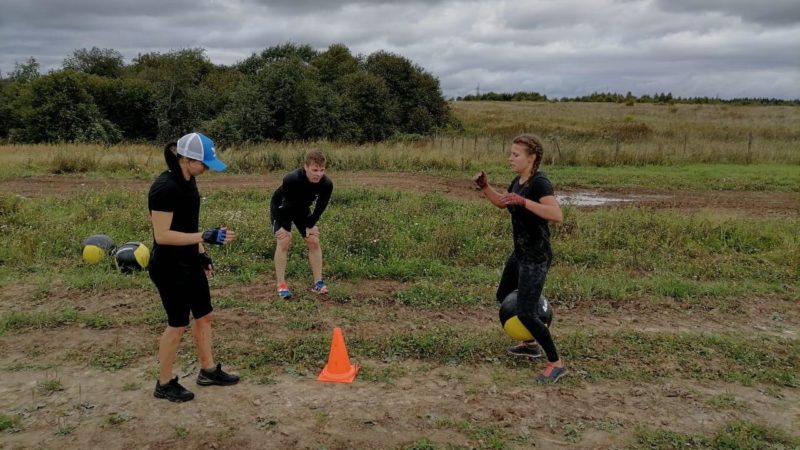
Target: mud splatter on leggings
(528,277)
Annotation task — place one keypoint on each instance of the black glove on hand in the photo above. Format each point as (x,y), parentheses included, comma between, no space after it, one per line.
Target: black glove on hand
(206,261)
(480,180)
(215,236)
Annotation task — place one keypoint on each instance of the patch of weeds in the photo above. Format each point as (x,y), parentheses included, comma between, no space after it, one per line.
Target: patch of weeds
(573,432)
(608,425)
(131,386)
(116,419)
(8,422)
(436,294)
(600,310)
(181,432)
(302,324)
(487,436)
(225,302)
(98,322)
(422,444)
(151,373)
(49,386)
(20,366)
(113,360)
(386,374)
(734,436)
(263,423)
(726,401)
(64,427)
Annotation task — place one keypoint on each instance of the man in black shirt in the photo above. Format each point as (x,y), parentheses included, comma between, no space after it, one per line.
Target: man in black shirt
(291,203)
(179,266)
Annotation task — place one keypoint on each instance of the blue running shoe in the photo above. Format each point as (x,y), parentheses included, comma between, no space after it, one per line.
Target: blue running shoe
(283,291)
(320,287)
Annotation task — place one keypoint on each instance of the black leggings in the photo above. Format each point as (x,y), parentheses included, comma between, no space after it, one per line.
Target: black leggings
(528,278)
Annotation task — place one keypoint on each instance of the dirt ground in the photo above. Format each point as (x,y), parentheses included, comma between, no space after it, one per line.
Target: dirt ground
(756,203)
(445,404)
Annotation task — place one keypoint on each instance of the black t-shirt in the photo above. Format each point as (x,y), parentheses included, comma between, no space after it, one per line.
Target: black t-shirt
(531,232)
(172,193)
(293,199)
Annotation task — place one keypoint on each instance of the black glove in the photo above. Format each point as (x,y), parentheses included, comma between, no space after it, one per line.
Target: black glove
(480,180)
(215,236)
(206,261)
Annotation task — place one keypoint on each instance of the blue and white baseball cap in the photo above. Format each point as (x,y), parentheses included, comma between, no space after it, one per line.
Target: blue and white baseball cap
(199,147)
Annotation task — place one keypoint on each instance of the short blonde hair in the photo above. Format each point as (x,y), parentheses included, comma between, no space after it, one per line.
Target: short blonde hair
(315,157)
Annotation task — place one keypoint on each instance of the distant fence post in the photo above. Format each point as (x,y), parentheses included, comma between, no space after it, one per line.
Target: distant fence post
(685,141)
(749,147)
(558,148)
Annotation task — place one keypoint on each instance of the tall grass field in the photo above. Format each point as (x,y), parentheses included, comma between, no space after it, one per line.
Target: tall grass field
(678,320)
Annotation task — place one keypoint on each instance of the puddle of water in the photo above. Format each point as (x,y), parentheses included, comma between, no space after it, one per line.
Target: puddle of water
(594,199)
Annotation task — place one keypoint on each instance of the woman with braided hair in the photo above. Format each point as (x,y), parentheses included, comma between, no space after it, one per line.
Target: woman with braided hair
(180,265)
(532,204)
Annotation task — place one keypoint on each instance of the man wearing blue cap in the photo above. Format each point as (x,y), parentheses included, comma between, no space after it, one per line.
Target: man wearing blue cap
(180,266)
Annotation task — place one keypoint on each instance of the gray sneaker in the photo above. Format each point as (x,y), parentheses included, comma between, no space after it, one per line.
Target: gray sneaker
(531,350)
(553,376)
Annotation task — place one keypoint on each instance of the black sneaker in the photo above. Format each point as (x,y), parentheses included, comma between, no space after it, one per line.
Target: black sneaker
(531,350)
(216,376)
(173,391)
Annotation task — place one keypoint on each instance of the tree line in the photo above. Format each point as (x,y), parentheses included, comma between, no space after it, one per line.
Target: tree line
(285,92)
(611,97)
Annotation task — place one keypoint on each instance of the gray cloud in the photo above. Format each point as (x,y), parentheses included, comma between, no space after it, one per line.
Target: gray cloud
(766,12)
(558,48)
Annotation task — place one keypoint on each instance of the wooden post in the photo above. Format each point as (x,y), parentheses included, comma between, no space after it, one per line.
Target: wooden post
(560,156)
(685,141)
(749,147)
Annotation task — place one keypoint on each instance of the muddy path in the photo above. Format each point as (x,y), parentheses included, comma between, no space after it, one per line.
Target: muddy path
(472,406)
(751,203)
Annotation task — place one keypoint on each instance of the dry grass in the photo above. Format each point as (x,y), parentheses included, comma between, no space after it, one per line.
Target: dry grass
(609,133)
(591,134)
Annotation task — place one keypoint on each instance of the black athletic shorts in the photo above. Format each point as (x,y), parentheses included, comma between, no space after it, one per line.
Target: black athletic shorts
(287,225)
(183,287)
(279,220)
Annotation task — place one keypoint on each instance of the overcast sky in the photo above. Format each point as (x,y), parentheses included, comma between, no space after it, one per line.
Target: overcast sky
(725,48)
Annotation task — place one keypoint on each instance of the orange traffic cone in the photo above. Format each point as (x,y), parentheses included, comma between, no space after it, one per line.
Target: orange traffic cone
(338,369)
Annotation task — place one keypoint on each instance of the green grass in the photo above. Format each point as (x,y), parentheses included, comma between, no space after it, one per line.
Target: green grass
(50,386)
(437,244)
(595,356)
(681,177)
(113,360)
(115,419)
(734,436)
(8,422)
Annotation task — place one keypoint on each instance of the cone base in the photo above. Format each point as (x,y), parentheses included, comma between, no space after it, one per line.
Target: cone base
(346,377)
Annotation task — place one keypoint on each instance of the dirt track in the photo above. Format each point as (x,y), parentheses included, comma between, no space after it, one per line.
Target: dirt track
(755,203)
